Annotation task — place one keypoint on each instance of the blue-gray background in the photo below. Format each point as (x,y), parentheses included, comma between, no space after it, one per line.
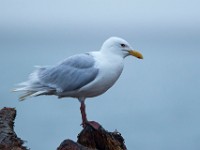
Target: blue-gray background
(156,102)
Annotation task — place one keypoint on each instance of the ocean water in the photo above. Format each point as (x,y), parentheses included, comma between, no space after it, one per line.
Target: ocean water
(154,104)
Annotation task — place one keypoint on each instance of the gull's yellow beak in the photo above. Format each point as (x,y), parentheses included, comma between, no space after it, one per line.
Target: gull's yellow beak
(136,54)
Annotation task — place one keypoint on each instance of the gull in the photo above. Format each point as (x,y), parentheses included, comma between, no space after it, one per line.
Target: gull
(81,76)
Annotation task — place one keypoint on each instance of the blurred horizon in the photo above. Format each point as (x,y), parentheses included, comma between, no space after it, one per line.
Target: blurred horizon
(154,104)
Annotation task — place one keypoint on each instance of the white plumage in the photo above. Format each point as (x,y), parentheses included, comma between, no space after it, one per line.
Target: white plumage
(80,76)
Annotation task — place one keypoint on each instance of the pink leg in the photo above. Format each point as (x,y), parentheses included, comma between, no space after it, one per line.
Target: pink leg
(94,124)
(83,113)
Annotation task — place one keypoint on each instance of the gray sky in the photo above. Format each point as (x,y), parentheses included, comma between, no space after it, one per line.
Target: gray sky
(154,104)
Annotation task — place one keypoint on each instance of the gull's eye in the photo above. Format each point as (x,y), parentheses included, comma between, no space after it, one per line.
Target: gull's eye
(123,45)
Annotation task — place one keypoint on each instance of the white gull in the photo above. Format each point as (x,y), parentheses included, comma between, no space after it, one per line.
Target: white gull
(82,75)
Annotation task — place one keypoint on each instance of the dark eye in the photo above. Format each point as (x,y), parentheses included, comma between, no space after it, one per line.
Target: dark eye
(123,45)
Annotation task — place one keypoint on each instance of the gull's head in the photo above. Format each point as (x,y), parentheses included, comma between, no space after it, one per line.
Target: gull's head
(120,47)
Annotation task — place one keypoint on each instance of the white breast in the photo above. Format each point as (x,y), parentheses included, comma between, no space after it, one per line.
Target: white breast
(110,68)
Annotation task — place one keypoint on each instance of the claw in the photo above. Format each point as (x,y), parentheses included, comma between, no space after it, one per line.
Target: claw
(93,124)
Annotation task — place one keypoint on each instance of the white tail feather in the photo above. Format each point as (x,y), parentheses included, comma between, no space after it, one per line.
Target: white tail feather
(32,87)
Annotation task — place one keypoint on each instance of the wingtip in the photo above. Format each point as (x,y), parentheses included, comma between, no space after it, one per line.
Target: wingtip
(12,90)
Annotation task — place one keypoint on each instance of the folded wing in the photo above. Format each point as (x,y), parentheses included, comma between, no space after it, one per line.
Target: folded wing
(69,75)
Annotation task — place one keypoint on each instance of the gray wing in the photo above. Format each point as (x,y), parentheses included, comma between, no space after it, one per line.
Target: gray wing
(71,74)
